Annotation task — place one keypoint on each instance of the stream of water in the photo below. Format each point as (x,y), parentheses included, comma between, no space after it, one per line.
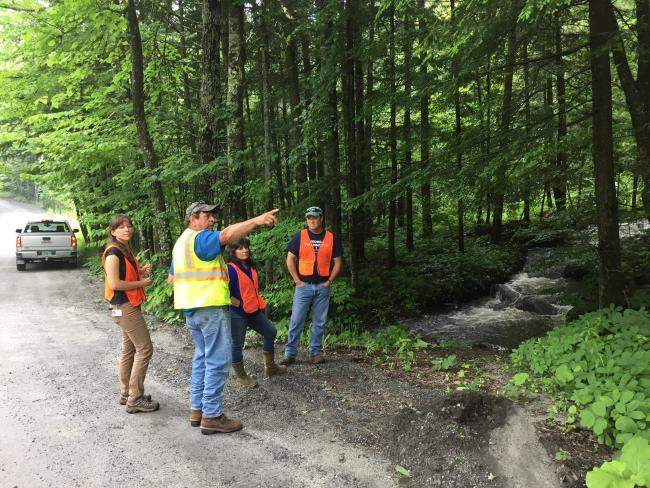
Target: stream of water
(526,306)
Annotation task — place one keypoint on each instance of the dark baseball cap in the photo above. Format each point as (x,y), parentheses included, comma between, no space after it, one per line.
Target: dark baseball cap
(313,212)
(200,206)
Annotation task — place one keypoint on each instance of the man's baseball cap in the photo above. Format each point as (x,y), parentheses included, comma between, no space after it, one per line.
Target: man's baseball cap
(313,212)
(196,207)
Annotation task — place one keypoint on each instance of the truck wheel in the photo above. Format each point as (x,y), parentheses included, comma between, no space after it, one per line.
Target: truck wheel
(20,267)
(73,264)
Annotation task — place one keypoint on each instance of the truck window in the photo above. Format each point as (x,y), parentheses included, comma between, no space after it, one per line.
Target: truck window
(48,227)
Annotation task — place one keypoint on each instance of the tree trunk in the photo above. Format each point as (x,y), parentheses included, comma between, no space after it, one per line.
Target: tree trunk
(312,166)
(187,96)
(359,220)
(277,159)
(370,80)
(235,105)
(527,181)
(265,66)
(611,279)
(294,131)
(210,99)
(392,135)
(550,141)
(506,118)
(460,210)
(408,144)
(559,182)
(637,93)
(425,188)
(82,220)
(146,144)
(225,35)
(329,101)
(352,83)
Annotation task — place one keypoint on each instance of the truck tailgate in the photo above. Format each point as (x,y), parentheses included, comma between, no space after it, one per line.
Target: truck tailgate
(33,241)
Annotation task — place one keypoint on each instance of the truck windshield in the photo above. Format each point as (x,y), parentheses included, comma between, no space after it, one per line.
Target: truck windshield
(47,227)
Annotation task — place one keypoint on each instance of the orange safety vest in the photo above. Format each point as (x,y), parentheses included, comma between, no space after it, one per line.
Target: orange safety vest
(307,257)
(135,296)
(249,290)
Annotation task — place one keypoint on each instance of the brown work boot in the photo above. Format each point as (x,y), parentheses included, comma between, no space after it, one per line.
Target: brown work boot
(212,425)
(243,379)
(195,418)
(142,405)
(125,398)
(287,360)
(317,359)
(270,368)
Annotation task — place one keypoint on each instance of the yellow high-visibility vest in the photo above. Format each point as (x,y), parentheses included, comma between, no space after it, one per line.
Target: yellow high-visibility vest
(198,283)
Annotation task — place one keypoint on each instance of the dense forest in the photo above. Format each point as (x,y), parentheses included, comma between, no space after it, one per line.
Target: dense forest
(404,119)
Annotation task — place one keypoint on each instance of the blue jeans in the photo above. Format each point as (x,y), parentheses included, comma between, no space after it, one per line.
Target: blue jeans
(210,329)
(260,324)
(317,297)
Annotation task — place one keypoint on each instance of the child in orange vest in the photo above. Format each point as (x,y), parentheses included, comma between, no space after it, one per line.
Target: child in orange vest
(247,310)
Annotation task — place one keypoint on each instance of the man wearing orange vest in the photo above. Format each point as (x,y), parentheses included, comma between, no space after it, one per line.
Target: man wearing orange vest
(317,254)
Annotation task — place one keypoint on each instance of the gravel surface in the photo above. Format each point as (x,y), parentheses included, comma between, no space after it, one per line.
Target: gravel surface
(340,424)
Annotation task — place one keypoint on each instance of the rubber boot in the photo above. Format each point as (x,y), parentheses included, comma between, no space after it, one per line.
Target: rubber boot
(244,379)
(270,367)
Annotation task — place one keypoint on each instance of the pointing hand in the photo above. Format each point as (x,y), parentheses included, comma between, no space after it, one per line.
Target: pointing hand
(269,218)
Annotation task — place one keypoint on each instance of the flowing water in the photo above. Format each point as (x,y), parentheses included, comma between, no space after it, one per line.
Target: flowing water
(526,306)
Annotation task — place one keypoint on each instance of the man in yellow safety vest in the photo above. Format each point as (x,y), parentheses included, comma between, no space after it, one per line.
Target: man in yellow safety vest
(200,279)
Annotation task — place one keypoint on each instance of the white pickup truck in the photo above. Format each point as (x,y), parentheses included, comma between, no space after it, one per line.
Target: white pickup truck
(46,241)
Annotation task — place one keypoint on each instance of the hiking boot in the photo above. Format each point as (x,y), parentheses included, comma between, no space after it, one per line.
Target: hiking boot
(287,360)
(317,359)
(270,367)
(125,398)
(195,418)
(142,405)
(243,379)
(212,425)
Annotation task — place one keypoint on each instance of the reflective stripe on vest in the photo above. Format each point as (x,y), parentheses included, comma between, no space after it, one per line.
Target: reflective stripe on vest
(307,257)
(198,283)
(135,296)
(249,290)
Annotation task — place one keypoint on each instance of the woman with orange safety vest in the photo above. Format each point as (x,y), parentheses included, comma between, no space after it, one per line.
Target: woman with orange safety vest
(124,289)
(247,310)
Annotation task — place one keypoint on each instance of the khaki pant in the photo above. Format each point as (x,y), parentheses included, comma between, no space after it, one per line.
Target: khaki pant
(136,351)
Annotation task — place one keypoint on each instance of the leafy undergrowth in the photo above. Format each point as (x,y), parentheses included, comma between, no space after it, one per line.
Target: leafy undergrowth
(630,469)
(597,369)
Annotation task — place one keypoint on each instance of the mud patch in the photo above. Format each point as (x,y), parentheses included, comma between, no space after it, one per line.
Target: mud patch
(444,441)
(469,406)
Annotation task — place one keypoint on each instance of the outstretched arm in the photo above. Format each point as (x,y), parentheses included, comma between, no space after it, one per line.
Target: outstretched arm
(237,231)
